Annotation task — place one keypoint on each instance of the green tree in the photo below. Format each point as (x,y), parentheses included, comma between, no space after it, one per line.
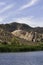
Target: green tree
(15,41)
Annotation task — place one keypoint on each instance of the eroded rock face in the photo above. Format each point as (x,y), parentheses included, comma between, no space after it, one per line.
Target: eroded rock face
(30,36)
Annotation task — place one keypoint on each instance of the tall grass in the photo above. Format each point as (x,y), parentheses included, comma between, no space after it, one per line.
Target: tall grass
(20,48)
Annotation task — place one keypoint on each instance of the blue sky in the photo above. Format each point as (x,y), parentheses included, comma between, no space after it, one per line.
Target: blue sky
(22,11)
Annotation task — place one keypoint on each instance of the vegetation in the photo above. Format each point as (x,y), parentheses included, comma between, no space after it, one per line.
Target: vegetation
(10,43)
(14,26)
(14,47)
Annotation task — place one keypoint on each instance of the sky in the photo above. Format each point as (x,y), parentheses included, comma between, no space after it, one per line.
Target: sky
(23,11)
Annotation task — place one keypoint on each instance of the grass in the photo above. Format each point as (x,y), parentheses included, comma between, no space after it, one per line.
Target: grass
(21,48)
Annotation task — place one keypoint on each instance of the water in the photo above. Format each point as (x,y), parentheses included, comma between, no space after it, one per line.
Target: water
(28,58)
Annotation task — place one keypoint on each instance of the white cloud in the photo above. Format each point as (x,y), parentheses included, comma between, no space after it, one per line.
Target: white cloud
(2,18)
(6,8)
(31,3)
(34,22)
(26,20)
(2,3)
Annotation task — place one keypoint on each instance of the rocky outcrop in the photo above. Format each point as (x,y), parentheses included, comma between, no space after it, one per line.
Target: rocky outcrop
(5,36)
(20,30)
(30,36)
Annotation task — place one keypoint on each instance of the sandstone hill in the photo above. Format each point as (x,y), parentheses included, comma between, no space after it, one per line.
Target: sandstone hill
(23,31)
(29,36)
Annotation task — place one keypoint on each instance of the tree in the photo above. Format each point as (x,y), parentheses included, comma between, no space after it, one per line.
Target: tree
(15,41)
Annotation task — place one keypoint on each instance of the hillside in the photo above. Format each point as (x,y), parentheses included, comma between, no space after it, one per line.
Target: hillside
(16,26)
(16,37)
(5,36)
(23,31)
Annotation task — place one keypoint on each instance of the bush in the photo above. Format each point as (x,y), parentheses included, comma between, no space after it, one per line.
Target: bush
(15,41)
